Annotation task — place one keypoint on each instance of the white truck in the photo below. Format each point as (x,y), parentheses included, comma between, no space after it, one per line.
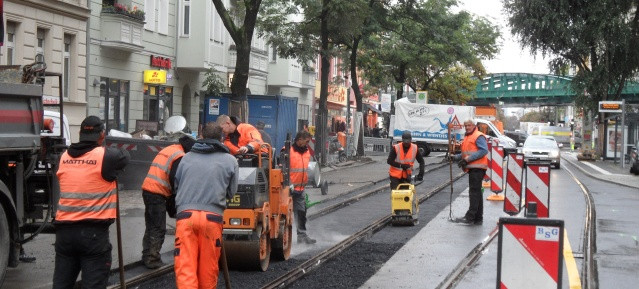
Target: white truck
(428,124)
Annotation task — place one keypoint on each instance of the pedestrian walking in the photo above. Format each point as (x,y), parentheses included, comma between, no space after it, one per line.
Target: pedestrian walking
(240,138)
(474,161)
(156,189)
(206,177)
(87,207)
(300,156)
(401,160)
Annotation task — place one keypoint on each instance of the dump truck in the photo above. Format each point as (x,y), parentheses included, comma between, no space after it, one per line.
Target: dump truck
(29,154)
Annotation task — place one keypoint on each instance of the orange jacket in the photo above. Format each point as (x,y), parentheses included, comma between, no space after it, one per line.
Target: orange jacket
(469,147)
(299,169)
(403,158)
(157,179)
(84,194)
(249,135)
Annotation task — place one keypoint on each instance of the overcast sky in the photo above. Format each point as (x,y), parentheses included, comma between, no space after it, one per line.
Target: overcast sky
(511,57)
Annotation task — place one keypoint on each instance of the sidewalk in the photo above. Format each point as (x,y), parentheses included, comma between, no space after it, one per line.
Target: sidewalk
(605,170)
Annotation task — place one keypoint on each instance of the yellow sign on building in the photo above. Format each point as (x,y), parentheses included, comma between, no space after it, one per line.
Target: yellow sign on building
(155,76)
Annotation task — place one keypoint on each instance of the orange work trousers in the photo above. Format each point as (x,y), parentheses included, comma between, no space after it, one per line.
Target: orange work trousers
(197,249)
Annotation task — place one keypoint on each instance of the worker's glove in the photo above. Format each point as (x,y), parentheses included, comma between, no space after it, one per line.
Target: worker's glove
(452,157)
(419,178)
(462,164)
(405,166)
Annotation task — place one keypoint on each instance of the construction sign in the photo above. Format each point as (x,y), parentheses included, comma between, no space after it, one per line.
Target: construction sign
(538,188)
(530,253)
(514,181)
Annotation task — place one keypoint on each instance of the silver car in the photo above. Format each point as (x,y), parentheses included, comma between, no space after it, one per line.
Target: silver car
(541,149)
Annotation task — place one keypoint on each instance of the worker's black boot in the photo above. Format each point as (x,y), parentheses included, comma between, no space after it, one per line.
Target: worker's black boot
(304,239)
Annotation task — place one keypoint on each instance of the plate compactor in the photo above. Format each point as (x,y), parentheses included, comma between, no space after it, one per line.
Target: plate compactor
(404,205)
(258,220)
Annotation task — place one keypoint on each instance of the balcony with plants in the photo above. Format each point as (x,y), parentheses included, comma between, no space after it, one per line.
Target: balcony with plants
(121,27)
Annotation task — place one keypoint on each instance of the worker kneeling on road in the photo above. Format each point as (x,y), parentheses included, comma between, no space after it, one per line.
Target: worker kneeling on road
(401,159)
(156,189)
(300,156)
(240,138)
(87,207)
(205,178)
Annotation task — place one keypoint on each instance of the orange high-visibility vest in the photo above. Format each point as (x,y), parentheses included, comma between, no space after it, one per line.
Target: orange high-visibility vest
(157,180)
(84,194)
(469,147)
(249,135)
(403,158)
(299,169)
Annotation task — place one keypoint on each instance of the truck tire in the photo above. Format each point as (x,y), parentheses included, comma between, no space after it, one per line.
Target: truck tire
(4,244)
(423,149)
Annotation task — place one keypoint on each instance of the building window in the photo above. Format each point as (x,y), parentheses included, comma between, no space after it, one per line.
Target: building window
(149,15)
(114,103)
(11,42)
(186,17)
(66,65)
(158,103)
(273,54)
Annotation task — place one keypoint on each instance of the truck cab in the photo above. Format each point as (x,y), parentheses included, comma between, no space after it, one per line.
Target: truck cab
(490,130)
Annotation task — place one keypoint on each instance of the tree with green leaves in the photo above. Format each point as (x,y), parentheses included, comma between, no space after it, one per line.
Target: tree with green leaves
(599,38)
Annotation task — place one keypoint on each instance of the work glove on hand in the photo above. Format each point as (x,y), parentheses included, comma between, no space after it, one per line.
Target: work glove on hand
(405,166)
(419,178)
(462,164)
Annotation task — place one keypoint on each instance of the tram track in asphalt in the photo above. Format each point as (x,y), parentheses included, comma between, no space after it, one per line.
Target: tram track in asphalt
(588,271)
(329,206)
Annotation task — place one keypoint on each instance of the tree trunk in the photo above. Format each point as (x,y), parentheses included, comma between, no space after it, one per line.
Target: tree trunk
(321,134)
(358,95)
(238,105)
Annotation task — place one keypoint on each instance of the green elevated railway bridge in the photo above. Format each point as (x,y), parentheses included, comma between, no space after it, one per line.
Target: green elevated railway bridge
(526,89)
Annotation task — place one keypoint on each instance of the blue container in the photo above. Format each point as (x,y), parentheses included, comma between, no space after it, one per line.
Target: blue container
(279,114)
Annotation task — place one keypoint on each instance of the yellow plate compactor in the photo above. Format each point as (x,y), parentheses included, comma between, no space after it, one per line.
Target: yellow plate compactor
(404,205)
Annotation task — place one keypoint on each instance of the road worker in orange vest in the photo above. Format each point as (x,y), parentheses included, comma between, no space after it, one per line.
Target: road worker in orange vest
(87,207)
(156,189)
(299,158)
(240,138)
(401,159)
(206,177)
(474,161)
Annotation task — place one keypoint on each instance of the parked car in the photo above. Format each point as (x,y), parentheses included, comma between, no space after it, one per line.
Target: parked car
(541,149)
(518,136)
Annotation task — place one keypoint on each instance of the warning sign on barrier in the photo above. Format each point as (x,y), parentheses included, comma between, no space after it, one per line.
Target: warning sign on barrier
(514,175)
(538,188)
(496,168)
(530,253)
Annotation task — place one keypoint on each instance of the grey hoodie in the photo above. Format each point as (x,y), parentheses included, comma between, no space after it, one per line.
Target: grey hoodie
(206,177)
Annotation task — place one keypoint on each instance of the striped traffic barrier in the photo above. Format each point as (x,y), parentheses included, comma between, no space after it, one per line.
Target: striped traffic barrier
(538,188)
(496,168)
(486,181)
(529,253)
(514,175)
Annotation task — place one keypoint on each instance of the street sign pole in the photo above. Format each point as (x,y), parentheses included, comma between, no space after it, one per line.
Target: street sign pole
(623,133)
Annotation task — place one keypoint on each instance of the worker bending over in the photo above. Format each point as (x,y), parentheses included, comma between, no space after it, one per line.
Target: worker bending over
(240,138)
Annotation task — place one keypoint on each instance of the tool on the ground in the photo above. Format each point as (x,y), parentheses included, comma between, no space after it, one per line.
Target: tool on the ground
(404,204)
(119,235)
(451,153)
(225,266)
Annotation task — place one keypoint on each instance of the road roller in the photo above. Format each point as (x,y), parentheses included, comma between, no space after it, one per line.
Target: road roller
(404,205)
(258,220)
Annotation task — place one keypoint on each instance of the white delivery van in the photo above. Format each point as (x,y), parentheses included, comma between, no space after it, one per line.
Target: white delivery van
(428,124)
(55,116)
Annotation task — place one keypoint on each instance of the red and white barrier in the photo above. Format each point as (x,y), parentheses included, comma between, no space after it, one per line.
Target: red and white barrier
(128,147)
(530,253)
(486,181)
(496,168)
(538,188)
(514,175)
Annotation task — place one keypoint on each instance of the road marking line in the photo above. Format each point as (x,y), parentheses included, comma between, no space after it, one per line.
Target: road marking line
(597,168)
(571,266)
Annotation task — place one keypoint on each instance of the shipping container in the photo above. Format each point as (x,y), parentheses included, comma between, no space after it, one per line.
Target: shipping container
(279,114)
